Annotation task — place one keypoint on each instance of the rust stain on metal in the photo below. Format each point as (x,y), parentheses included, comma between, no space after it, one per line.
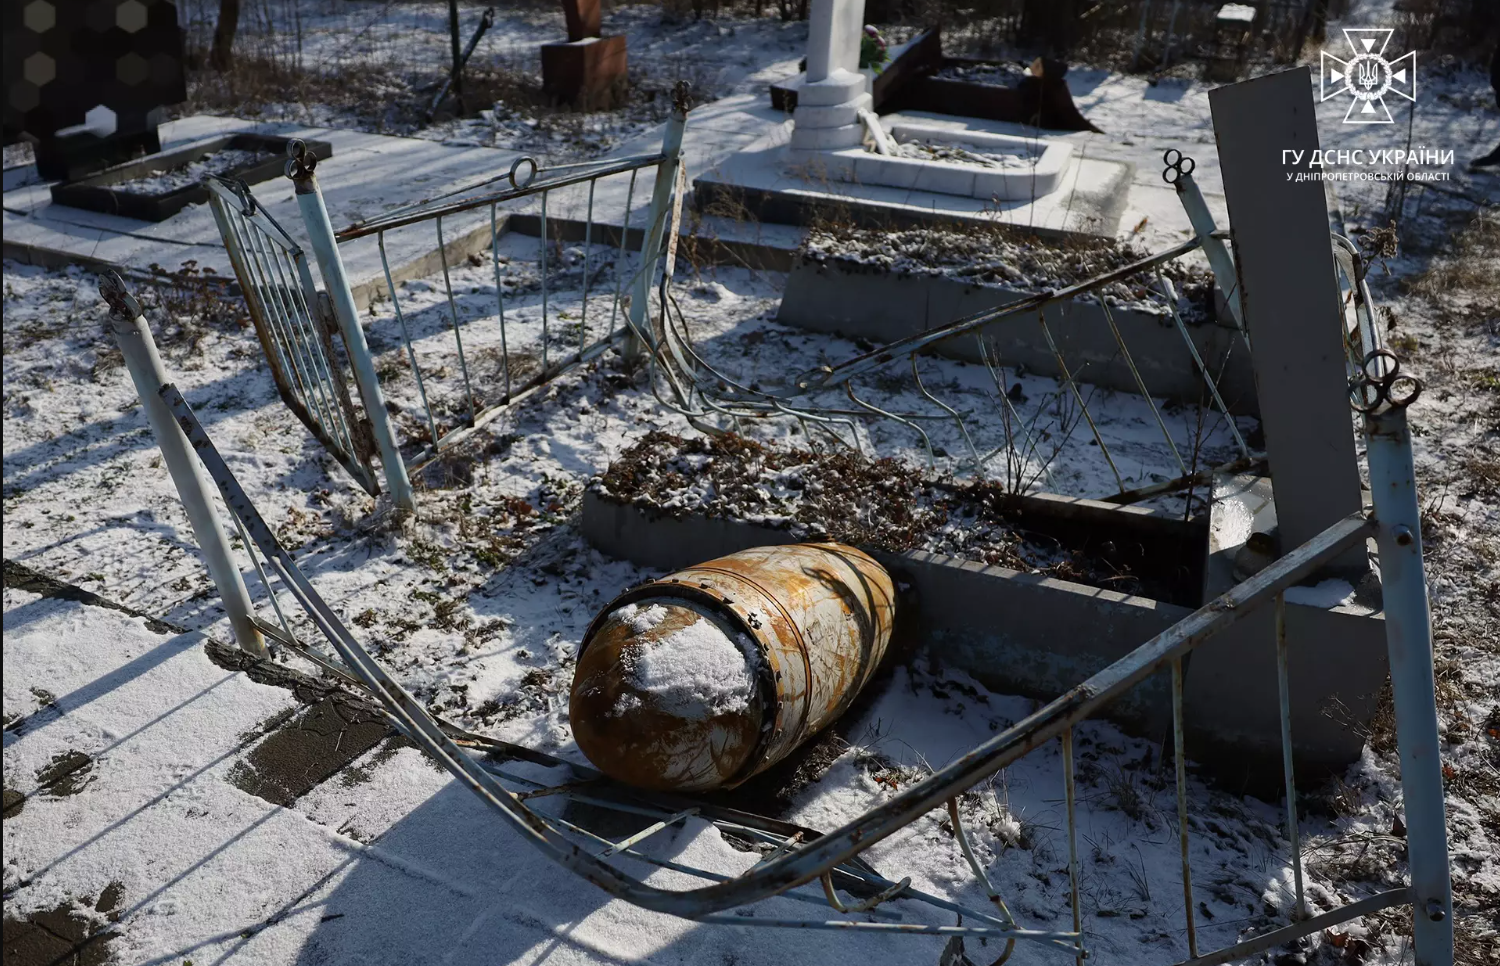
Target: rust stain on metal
(624,728)
(818,620)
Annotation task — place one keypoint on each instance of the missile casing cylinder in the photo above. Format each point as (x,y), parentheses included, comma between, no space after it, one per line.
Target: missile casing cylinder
(712,674)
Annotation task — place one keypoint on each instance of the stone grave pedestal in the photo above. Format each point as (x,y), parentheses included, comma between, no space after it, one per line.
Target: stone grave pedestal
(833,91)
(588,71)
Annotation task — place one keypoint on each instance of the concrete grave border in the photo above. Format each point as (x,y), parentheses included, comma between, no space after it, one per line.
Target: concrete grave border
(870,302)
(1038,636)
(957,177)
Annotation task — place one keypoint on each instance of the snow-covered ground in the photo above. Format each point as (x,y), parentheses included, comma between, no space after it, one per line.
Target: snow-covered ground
(191,173)
(478,605)
(386,60)
(392,863)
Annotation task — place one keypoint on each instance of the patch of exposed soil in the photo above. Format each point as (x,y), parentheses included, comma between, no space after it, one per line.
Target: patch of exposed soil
(66,774)
(882,505)
(72,934)
(1010,257)
(304,753)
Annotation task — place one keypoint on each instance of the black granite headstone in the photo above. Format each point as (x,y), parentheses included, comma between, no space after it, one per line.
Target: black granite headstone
(88,81)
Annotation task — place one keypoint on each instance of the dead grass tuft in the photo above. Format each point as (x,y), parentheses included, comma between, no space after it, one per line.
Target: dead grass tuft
(185,305)
(1469,267)
(878,504)
(994,253)
(379,98)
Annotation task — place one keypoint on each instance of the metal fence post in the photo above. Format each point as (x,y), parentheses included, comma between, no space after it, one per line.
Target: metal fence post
(1180,176)
(147,372)
(656,220)
(326,250)
(1384,395)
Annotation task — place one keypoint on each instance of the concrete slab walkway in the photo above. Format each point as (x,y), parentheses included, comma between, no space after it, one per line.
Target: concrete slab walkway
(139,827)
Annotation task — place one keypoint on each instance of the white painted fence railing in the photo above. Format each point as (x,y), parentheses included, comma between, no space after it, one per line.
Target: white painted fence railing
(133,334)
(294,332)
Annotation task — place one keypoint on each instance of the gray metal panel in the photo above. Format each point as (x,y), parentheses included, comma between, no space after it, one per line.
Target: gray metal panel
(1285,262)
(1338,667)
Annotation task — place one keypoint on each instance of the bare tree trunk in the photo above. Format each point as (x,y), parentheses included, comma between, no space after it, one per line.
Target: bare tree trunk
(1319,31)
(221,55)
(458,63)
(1051,25)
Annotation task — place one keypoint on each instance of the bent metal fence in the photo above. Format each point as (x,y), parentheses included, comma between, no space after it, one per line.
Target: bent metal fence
(293,326)
(522,350)
(486,345)
(798,857)
(714,399)
(472,359)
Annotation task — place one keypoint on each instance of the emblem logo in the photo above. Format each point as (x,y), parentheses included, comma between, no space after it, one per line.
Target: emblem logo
(1367,76)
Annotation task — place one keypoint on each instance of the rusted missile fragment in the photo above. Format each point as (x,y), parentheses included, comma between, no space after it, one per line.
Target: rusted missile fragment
(712,674)
(664,696)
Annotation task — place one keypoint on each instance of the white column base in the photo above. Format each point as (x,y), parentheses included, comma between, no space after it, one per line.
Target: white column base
(827,138)
(837,88)
(835,115)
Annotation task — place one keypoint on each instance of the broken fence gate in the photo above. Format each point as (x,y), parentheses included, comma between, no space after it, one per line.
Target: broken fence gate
(294,324)
(797,856)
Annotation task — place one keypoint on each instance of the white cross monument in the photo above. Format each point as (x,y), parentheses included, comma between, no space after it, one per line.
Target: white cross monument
(834,112)
(833,91)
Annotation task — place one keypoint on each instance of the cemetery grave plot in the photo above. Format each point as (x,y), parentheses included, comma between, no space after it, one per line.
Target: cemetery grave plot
(556,589)
(1166,332)
(939,161)
(1002,254)
(158,186)
(833,117)
(226,163)
(495,560)
(1036,96)
(883,505)
(980,72)
(961,153)
(730,317)
(920,155)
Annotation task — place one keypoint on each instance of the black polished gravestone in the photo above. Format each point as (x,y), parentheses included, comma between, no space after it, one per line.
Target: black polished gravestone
(88,81)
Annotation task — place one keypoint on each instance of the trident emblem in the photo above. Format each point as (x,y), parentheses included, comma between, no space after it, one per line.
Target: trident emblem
(1367,76)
